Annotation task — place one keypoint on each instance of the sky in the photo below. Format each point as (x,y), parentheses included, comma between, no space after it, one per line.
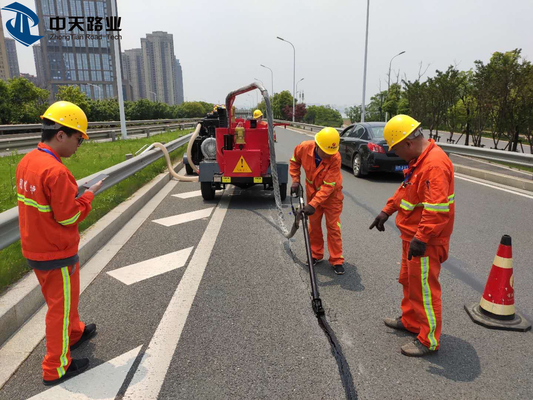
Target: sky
(221,44)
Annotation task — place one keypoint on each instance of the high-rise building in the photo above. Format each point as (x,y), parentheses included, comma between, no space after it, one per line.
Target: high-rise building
(159,66)
(133,65)
(178,79)
(39,66)
(4,65)
(86,62)
(12,58)
(31,78)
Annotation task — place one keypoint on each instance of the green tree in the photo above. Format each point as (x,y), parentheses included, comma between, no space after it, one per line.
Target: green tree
(104,110)
(76,96)
(5,104)
(392,99)
(279,102)
(208,107)
(190,109)
(140,110)
(27,101)
(323,115)
(354,113)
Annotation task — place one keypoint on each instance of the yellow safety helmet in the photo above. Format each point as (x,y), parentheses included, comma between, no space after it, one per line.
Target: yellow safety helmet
(68,114)
(257,114)
(398,128)
(328,140)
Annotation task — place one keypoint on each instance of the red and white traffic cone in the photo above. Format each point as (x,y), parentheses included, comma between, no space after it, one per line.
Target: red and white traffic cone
(496,309)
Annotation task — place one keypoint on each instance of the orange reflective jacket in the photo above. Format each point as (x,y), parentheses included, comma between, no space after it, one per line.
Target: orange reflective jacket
(323,183)
(426,200)
(49,212)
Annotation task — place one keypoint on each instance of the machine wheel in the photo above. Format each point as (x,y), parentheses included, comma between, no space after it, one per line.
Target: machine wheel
(208,191)
(188,169)
(357,166)
(283,191)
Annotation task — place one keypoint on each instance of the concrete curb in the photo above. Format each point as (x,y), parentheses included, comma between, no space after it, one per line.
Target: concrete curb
(503,179)
(22,300)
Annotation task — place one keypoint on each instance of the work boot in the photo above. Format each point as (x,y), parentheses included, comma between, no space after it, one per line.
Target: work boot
(339,269)
(88,333)
(76,367)
(315,261)
(416,349)
(395,323)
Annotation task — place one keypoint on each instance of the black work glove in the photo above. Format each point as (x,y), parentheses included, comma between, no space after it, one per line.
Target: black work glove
(417,248)
(295,189)
(379,222)
(308,210)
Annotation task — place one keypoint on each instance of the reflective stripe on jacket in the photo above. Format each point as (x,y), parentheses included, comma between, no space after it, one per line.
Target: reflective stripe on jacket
(426,201)
(323,183)
(49,212)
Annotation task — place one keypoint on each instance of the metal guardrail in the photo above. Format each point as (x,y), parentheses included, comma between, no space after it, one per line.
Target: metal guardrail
(37,127)
(17,143)
(9,225)
(510,157)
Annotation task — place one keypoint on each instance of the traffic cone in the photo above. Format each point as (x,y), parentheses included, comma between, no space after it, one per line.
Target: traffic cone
(496,309)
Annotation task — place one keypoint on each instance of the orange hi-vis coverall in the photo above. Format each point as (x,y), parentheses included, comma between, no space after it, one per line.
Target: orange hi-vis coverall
(49,214)
(426,208)
(323,187)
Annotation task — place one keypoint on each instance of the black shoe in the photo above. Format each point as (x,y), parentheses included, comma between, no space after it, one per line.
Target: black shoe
(315,261)
(339,269)
(76,367)
(88,333)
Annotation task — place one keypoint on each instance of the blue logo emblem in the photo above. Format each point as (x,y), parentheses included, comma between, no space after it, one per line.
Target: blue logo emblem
(20,29)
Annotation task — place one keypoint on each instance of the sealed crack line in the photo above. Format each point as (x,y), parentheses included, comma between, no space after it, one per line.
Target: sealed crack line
(336,349)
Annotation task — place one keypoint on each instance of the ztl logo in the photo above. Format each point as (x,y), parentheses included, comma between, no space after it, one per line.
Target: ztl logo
(19,27)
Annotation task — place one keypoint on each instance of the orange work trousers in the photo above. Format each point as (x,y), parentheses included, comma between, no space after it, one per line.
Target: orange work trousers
(332,210)
(61,290)
(421,304)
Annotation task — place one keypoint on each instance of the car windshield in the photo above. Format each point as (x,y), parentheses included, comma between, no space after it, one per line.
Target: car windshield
(377,131)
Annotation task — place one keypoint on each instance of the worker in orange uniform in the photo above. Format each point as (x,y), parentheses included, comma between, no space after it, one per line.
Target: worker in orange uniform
(49,214)
(258,116)
(426,209)
(321,162)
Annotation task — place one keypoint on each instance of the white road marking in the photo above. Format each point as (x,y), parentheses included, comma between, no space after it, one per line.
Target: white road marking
(183,218)
(102,382)
(503,189)
(188,195)
(150,375)
(23,342)
(149,268)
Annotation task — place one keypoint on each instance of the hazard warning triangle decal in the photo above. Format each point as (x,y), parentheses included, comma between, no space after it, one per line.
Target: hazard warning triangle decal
(242,166)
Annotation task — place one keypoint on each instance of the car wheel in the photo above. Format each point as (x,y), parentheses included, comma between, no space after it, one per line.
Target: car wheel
(208,191)
(357,166)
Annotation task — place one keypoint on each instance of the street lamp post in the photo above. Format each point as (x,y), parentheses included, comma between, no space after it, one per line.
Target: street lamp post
(388,81)
(262,84)
(272,76)
(118,76)
(294,113)
(99,90)
(366,52)
(155,95)
(293,76)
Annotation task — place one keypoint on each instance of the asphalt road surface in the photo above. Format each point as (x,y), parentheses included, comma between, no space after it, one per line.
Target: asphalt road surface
(215,304)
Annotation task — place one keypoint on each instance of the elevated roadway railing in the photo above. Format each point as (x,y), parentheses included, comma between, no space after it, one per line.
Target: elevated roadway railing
(511,157)
(27,128)
(9,226)
(24,141)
